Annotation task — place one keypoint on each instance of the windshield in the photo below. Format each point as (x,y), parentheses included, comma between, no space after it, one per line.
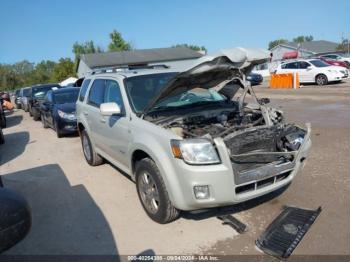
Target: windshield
(319,63)
(195,96)
(70,96)
(141,90)
(41,91)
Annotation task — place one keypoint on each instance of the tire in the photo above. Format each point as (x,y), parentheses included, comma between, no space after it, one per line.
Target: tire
(321,80)
(2,138)
(43,121)
(90,155)
(30,110)
(153,194)
(25,108)
(36,117)
(58,132)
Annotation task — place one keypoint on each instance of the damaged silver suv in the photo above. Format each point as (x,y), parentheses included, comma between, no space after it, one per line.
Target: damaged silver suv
(189,138)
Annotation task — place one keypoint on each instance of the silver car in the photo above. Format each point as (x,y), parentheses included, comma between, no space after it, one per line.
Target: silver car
(188,138)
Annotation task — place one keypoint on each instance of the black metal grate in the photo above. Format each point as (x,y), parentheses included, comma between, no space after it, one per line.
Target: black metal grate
(284,234)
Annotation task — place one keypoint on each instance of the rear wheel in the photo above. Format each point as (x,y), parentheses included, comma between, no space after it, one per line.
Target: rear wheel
(91,156)
(321,80)
(36,117)
(153,194)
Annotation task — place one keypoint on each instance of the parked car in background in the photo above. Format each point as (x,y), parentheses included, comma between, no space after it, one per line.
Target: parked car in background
(338,58)
(24,94)
(58,110)
(16,99)
(186,139)
(313,71)
(333,62)
(36,97)
(255,79)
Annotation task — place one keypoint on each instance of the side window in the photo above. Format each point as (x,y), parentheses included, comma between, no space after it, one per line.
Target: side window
(112,93)
(48,97)
(303,65)
(96,95)
(83,89)
(293,65)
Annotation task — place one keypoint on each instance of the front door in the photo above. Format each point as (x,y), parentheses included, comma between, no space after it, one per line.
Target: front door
(115,129)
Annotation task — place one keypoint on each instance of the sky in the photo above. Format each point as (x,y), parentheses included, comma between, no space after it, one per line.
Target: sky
(38,30)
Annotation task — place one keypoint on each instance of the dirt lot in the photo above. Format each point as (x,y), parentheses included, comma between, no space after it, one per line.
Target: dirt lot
(78,209)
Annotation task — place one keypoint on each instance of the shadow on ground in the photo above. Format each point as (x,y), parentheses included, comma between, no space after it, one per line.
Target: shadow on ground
(14,146)
(13,120)
(65,218)
(233,209)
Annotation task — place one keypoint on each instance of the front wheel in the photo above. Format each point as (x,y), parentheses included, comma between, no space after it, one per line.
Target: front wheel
(153,194)
(30,110)
(43,121)
(321,80)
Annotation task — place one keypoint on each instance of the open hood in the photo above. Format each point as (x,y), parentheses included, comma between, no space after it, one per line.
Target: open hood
(213,71)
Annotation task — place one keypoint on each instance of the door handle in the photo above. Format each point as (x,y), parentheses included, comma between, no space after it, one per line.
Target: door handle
(86,113)
(103,120)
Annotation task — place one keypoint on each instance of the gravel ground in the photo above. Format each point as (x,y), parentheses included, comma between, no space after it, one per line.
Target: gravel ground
(78,209)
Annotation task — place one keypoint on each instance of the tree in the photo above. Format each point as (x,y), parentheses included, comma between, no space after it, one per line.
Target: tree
(344,45)
(85,48)
(63,69)
(301,39)
(118,43)
(277,42)
(193,47)
(43,72)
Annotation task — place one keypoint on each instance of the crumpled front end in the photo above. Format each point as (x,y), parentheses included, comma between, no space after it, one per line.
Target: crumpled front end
(267,156)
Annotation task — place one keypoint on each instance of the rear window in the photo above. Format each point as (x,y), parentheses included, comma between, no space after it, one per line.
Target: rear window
(83,89)
(42,90)
(26,92)
(319,63)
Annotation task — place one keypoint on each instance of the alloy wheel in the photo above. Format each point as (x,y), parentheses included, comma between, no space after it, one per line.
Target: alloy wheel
(86,148)
(149,192)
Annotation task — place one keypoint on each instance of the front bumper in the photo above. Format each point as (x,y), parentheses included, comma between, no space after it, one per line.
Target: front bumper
(220,179)
(66,126)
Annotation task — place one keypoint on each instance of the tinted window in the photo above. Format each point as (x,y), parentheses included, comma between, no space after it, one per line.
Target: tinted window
(42,90)
(141,90)
(96,95)
(26,92)
(69,96)
(293,65)
(83,89)
(319,63)
(304,65)
(112,93)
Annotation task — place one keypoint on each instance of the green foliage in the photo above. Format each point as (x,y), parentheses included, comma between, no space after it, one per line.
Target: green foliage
(193,47)
(24,73)
(344,45)
(301,39)
(277,42)
(63,69)
(118,43)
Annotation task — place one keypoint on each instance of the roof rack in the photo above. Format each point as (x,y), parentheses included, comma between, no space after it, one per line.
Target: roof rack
(125,68)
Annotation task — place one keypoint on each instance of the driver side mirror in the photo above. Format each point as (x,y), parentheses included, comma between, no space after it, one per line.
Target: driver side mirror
(108,109)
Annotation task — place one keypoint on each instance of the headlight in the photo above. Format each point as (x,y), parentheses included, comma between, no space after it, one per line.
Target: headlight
(195,151)
(66,115)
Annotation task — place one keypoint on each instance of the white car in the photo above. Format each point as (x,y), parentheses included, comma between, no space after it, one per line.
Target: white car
(338,57)
(313,71)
